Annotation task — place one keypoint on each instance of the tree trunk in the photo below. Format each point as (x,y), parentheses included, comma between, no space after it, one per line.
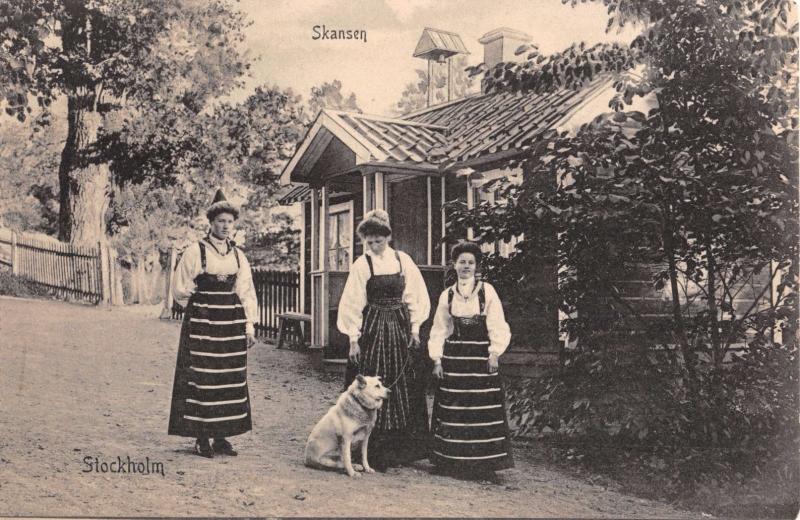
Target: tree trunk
(85,181)
(677,314)
(83,174)
(716,350)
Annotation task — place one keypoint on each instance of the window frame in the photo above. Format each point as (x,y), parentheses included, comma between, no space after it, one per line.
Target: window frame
(335,210)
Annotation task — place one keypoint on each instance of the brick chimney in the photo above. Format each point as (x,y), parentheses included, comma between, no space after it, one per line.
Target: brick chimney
(499,45)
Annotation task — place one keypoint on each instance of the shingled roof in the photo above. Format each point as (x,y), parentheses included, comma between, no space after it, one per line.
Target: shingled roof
(396,140)
(475,130)
(491,123)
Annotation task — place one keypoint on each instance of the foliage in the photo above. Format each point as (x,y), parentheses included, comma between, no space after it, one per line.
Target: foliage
(674,234)
(415,95)
(330,95)
(276,246)
(115,62)
(28,160)
(11,285)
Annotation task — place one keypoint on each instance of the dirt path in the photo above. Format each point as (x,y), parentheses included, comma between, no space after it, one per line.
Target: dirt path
(80,382)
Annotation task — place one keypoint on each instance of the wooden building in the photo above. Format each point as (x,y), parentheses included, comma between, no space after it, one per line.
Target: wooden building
(350,163)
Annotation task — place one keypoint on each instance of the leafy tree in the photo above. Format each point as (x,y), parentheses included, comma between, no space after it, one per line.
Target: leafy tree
(240,146)
(28,160)
(113,61)
(415,95)
(276,246)
(702,190)
(330,95)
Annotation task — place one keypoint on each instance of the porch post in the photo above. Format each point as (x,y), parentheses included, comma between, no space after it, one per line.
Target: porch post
(301,305)
(430,219)
(380,201)
(444,223)
(314,229)
(368,194)
(314,263)
(324,319)
(470,205)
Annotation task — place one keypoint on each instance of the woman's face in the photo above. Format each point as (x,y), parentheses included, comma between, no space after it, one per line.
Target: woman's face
(376,243)
(222,225)
(465,266)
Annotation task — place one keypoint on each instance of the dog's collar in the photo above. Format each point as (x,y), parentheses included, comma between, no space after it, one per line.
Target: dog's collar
(361,403)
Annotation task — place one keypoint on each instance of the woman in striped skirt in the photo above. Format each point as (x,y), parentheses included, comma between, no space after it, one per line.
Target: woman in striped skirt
(469,425)
(383,304)
(213,283)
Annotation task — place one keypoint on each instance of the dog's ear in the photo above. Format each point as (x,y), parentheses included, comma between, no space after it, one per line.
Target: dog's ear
(361,380)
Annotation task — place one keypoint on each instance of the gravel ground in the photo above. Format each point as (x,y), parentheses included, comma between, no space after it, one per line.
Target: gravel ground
(79,383)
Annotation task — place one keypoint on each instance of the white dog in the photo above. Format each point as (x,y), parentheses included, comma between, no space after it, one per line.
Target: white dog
(346,424)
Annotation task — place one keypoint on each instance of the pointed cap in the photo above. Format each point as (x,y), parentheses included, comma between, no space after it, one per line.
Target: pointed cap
(219,196)
(221,205)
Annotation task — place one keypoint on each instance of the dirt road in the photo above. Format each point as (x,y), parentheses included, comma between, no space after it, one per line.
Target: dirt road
(79,383)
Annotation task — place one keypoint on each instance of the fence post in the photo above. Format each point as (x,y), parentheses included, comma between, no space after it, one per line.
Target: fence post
(114,279)
(166,312)
(14,259)
(105,285)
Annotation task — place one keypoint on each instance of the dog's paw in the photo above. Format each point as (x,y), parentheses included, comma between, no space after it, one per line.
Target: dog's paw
(353,474)
(369,470)
(358,467)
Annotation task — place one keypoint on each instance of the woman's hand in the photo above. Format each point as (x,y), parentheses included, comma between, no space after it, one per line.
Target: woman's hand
(493,363)
(414,341)
(251,340)
(355,352)
(438,373)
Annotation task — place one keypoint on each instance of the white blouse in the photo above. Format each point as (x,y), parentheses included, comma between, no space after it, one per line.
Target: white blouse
(499,332)
(190,266)
(354,296)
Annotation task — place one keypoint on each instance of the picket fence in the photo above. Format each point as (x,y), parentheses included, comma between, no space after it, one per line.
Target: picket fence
(76,273)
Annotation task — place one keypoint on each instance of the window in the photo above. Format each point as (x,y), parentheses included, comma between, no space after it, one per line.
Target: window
(340,236)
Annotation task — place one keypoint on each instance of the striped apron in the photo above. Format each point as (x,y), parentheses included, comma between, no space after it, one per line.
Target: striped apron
(470,428)
(401,429)
(209,396)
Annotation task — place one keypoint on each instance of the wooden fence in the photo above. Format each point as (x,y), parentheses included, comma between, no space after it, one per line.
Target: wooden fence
(276,292)
(68,271)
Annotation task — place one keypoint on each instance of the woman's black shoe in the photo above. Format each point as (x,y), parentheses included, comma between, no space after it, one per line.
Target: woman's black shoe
(223,447)
(203,448)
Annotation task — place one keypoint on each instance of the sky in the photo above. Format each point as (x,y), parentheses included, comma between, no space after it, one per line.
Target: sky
(378,70)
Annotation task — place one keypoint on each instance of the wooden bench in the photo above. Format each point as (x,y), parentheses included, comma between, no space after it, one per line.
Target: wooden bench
(292,321)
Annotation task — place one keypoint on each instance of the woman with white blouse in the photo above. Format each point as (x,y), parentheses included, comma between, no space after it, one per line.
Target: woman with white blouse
(469,334)
(383,304)
(214,284)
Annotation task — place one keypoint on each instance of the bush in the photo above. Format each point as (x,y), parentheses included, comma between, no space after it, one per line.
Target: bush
(11,285)
(688,436)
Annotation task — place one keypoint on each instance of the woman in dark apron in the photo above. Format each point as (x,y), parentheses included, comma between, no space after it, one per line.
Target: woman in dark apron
(469,333)
(383,304)
(213,282)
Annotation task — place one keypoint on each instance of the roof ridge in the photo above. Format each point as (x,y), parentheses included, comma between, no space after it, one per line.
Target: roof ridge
(420,111)
(440,30)
(386,119)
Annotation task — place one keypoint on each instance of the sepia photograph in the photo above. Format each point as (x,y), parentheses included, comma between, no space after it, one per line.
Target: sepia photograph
(399,258)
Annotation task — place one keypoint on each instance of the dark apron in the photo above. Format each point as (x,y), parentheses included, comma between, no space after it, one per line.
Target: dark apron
(209,395)
(401,429)
(470,428)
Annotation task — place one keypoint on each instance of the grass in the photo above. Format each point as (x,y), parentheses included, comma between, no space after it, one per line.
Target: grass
(11,285)
(707,482)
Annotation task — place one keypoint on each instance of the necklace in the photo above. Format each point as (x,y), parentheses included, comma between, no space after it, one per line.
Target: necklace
(458,290)
(227,244)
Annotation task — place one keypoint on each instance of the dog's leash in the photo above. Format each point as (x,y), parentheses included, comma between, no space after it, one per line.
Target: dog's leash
(405,364)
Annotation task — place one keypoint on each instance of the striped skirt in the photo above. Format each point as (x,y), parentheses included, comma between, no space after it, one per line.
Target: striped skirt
(210,396)
(470,429)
